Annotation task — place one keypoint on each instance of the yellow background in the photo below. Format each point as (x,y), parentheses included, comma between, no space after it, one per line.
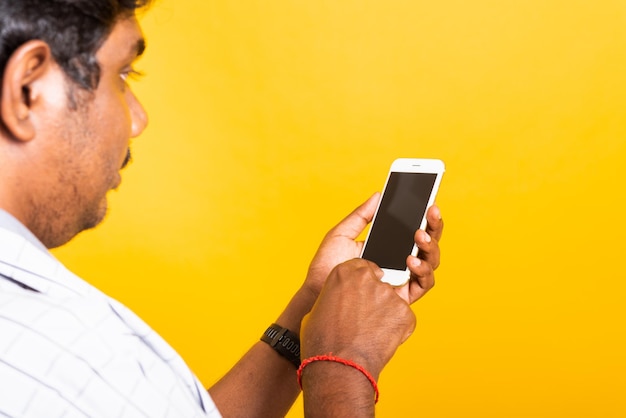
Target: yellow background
(271,120)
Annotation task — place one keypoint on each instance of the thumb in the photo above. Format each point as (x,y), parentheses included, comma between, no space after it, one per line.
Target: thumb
(353,224)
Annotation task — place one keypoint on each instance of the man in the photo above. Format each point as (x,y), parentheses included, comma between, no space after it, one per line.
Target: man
(66,349)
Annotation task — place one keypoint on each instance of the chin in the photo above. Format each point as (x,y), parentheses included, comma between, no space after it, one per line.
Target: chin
(95,217)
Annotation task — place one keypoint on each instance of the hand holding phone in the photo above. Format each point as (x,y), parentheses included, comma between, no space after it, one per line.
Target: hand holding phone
(409,191)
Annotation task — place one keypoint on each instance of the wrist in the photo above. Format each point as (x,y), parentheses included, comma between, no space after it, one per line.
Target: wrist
(299,305)
(332,389)
(354,356)
(338,360)
(284,342)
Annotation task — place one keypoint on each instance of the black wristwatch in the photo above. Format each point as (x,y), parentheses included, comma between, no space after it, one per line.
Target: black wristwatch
(285,342)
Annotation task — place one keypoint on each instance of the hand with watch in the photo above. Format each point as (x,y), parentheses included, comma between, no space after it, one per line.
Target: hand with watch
(345,323)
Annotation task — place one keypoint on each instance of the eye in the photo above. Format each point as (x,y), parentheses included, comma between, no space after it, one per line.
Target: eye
(131,73)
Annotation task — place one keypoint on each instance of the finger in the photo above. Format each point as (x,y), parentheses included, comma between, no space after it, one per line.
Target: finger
(421,272)
(353,224)
(403,292)
(422,278)
(428,248)
(434,225)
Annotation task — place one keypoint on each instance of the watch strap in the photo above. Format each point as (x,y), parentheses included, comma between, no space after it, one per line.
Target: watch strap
(285,342)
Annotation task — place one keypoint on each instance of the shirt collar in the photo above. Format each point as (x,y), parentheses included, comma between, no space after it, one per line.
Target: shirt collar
(26,261)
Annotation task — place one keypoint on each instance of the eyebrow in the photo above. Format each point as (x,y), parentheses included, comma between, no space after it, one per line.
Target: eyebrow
(136,49)
(139,47)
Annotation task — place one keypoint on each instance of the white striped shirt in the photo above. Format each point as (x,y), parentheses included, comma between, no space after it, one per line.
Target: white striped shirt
(68,350)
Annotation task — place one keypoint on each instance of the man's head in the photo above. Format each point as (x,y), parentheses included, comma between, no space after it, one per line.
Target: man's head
(66,112)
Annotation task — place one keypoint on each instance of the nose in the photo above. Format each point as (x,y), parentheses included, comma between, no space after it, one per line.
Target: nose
(139,117)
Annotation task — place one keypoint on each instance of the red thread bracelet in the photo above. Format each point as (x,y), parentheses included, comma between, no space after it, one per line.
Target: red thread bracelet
(330,357)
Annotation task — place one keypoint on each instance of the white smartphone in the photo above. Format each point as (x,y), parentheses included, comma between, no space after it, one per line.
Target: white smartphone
(409,191)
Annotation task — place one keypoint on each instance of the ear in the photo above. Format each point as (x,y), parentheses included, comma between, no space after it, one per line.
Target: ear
(25,66)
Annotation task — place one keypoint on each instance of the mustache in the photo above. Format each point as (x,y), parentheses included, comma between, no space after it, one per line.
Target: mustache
(128,159)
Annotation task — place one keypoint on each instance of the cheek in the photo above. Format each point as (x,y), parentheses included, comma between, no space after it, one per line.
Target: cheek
(114,125)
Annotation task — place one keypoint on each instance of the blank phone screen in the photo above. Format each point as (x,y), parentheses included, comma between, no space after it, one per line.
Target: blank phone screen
(400,214)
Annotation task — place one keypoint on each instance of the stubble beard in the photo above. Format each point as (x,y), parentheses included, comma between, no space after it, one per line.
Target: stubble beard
(54,227)
(72,204)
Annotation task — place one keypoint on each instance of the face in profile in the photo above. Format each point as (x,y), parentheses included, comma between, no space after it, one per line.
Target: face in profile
(88,143)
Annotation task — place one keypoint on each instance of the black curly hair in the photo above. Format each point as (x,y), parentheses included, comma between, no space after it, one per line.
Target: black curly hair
(73,29)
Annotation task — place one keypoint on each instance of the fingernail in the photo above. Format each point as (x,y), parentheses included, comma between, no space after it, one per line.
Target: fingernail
(437,212)
(416,261)
(426,237)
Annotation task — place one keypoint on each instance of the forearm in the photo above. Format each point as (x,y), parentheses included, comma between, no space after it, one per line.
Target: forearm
(263,383)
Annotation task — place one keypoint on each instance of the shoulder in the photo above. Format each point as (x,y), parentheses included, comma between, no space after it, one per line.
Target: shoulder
(76,353)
